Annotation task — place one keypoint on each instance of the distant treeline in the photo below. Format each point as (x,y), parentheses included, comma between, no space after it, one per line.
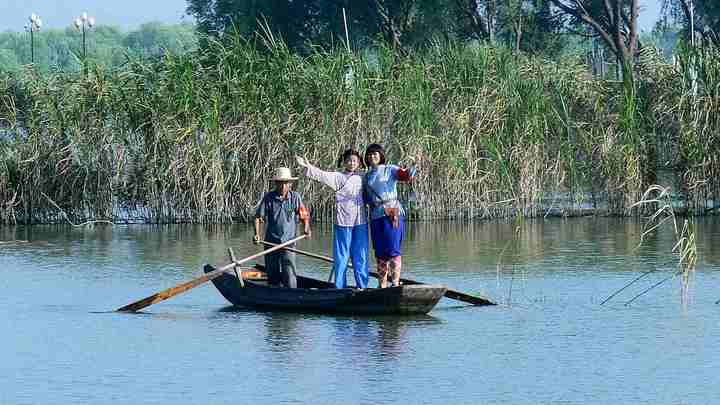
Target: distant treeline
(194,136)
(105,45)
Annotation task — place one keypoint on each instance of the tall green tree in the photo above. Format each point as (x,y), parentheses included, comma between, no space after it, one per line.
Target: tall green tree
(615,22)
(525,25)
(528,26)
(400,23)
(476,18)
(296,22)
(705,15)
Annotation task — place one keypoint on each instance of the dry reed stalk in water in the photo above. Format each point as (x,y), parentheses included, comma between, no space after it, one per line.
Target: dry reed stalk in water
(685,246)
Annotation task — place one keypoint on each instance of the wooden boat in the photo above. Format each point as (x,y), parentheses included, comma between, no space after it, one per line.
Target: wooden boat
(314,295)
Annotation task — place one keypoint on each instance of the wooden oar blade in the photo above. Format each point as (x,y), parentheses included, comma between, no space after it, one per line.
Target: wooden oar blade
(170,292)
(456,295)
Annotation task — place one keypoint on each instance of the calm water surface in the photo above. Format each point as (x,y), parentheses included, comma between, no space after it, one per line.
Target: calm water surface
(551,342)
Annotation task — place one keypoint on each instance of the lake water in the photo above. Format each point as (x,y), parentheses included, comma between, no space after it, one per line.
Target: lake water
(550,342)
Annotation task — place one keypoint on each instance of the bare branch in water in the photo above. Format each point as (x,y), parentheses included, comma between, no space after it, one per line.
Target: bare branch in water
(103,221)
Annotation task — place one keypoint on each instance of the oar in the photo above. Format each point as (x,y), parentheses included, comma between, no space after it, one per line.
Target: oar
(455,295)
(181,288)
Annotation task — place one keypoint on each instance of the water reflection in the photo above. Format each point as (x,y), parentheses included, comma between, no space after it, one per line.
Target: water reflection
(282,332)
(380,337)
(449,243)
(353,337)
(391,341)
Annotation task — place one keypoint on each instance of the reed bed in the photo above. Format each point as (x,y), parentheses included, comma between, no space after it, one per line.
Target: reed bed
(195,137)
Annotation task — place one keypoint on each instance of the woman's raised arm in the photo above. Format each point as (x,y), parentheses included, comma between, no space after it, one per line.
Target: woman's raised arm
(330,179)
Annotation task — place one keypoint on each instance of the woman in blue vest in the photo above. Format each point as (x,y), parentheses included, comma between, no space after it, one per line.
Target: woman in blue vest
(387,216)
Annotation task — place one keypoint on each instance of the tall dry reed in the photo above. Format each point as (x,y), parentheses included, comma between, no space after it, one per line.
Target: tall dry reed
(195,137)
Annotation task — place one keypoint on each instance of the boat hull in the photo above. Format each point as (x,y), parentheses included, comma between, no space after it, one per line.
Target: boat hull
(318,296)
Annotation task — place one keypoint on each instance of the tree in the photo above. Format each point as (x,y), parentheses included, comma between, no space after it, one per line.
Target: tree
(396,18)
(705,17)
(16,44)
(8,61)
(154,39)
(615,22)
(526,25)
(476,19)
(295,21)
(320,22)
(61,48)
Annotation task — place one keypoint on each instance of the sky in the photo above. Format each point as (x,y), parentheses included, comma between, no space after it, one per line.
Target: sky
(129,14)
(126,14)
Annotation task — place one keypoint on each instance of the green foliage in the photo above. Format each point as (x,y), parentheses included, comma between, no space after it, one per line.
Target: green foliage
(403,24)
(529,26)
(295,22)
(706,18)
(61,50)
(153,39)
(193,137)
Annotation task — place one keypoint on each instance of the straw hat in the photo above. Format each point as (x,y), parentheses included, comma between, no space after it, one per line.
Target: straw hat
(283,174)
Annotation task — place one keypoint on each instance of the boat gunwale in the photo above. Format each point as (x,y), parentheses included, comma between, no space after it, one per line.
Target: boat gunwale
(399,300)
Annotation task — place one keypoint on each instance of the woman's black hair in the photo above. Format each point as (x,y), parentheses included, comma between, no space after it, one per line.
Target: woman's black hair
(347,154)
(374,148)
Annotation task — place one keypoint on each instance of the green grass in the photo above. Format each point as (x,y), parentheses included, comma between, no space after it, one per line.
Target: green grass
(194,137)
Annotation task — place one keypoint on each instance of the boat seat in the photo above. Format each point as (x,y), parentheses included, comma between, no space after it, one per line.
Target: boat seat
(250,273)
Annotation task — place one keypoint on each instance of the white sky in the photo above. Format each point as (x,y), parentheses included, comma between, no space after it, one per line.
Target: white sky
(129,14)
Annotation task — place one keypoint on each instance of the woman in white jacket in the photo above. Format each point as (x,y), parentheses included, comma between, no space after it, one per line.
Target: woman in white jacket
(350,232)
